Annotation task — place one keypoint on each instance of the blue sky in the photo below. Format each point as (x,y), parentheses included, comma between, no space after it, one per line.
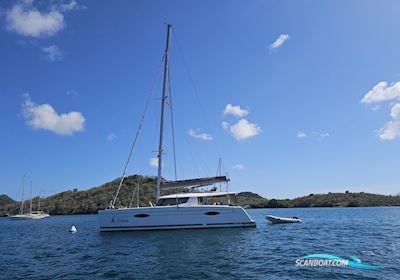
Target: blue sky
(297,97)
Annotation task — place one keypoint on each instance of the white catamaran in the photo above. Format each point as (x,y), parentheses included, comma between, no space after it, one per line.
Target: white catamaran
(176,211)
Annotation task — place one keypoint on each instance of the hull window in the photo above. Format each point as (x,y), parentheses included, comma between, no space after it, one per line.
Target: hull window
(212,213)
(141,215)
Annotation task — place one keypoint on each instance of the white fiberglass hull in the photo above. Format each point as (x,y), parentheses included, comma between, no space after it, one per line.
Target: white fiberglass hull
(40,216)
(20,217)
(173,217)
(29,216)
(282,220)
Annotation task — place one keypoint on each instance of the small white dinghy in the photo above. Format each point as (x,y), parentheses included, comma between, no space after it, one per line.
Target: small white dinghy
(282,220)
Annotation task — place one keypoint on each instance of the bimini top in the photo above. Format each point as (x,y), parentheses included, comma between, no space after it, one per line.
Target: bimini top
(193,183)
(198,194)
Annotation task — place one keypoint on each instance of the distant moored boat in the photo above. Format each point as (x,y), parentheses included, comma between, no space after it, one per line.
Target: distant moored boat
(282,220)
(31,215)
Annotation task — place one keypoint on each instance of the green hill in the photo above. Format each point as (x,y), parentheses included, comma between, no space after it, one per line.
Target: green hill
(90,201)
(5,199)
(94,199)
(346,199)
(251,199)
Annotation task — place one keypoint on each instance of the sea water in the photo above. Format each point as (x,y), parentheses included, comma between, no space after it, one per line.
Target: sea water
(45,249)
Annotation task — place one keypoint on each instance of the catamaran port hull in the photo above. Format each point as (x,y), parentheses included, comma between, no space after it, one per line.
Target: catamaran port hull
(173,217)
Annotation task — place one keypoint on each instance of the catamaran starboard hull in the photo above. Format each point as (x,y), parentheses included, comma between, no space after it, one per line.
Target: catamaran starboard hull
(173,217)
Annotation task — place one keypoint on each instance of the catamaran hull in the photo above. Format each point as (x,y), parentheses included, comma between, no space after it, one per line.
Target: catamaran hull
(173,217)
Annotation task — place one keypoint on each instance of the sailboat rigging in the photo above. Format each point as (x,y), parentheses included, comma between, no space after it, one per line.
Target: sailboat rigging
(31,215)
(180,210)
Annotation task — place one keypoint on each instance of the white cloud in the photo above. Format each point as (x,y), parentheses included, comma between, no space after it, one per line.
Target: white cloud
(111,136)
(238,167)
(236,111)
(72,92)
(69,6)
(395,112)
(45,117)
(301,135)
(382,92)
(202,136)
(225,125)
(52,52)
(243,129)
(154,162)
(391,129)
(376,108)
(26,20)
(279,41)
(313,135)
(323,135)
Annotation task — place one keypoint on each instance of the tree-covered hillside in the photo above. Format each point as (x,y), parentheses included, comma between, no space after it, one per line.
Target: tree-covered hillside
(346,199)
(90,201)
(94,199)
(5,199)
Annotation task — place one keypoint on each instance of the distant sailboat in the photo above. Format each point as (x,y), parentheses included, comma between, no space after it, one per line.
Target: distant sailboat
(176,211)
(21,215)
(32,215)
(39,214)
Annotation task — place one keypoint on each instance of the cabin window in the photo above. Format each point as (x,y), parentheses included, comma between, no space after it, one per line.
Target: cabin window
(183,200)
(172,201)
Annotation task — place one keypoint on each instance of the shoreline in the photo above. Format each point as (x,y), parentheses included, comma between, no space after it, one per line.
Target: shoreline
(253,208)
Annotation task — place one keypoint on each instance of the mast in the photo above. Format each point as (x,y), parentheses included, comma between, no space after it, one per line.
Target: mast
(21,211)
(137,198)
(219,171)
(38,207)
(163,98)
(30,206)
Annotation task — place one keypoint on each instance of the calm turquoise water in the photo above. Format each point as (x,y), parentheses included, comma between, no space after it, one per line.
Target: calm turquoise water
(45,249)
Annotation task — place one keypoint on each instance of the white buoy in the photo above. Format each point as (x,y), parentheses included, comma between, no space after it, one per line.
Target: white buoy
(73,229)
